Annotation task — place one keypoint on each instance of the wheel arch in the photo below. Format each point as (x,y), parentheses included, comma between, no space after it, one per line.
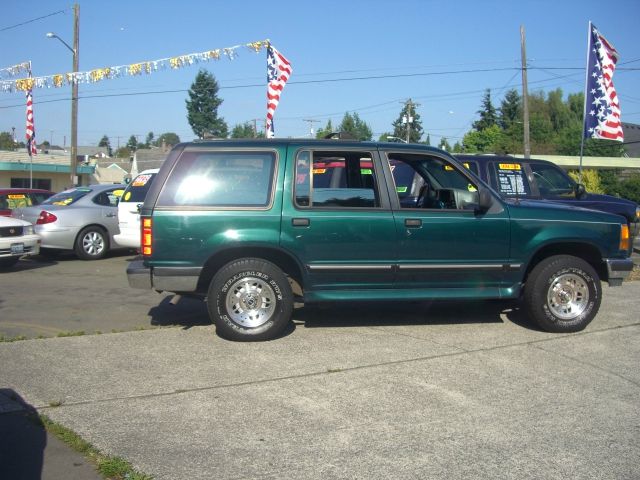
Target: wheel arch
(104,229)
(587,252)
(282,259)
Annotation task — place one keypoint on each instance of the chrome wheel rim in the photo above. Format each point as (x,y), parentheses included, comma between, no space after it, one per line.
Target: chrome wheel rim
(568,296)
(93,243)
(250,302)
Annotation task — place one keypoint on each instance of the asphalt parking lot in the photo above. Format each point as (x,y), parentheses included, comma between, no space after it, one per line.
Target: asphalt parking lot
(420,390)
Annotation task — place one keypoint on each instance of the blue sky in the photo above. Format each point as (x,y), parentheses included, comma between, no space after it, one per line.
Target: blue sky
(441,54)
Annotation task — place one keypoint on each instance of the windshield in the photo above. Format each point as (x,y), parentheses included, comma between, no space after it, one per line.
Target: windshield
(68,197)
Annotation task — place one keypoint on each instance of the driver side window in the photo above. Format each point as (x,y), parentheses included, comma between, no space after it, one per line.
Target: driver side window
(431,183)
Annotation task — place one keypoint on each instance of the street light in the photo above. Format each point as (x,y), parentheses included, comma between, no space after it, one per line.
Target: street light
(397,139)
(74,90)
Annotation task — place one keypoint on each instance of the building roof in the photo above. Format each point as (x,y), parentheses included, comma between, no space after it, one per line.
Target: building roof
(631,139)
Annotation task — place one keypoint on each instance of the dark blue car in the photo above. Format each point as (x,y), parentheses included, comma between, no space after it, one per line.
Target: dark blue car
(540,180)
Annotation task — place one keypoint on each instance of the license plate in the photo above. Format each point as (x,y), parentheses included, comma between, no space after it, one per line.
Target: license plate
(17,248)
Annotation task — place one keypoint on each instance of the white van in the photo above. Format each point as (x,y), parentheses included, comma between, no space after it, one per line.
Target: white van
(129,209)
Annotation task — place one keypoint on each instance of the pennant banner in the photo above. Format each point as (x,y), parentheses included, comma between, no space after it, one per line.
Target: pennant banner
(141,68)
(15,70)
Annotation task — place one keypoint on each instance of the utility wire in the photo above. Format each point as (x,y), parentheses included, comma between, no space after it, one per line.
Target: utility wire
(32,20)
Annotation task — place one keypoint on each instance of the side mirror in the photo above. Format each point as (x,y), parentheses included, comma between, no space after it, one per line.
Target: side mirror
(581,191)
(485,200)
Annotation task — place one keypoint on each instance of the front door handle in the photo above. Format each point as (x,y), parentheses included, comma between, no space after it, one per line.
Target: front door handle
(412,223)
(300,222)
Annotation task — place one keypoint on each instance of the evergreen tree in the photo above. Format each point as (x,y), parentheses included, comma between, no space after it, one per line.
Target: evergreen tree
(202,107)
(132,144)
(149,141)
(510,110)
(444,144)
(402,124)
(104,142)
(488,114)
(323,132)
(353,125)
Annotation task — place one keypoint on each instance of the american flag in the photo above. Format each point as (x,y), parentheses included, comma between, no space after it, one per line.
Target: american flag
(278,72)
(602,110)
(31,132)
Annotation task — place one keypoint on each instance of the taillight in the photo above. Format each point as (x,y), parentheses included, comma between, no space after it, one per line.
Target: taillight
(46,217)
(146,235)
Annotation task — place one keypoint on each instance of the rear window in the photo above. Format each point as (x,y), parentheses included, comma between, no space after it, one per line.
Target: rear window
(220,179)
(9,201)
(137,190)
(68,197)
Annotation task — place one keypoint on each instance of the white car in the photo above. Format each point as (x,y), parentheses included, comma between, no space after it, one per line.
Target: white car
(129,209)
(17,239)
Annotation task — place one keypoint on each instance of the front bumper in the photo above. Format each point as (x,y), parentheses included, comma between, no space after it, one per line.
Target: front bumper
(618,270)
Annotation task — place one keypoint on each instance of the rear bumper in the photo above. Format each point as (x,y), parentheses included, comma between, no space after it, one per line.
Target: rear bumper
(618,270)
(170,279)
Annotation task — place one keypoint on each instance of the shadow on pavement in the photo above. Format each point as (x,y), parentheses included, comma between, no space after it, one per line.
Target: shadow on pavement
(22,438)
(187,312)
(411,313)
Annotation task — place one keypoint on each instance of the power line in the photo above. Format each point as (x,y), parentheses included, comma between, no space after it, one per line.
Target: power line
(32,20)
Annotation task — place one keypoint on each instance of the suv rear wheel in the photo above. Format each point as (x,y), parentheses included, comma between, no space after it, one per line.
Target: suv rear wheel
(249,300)
(562,294)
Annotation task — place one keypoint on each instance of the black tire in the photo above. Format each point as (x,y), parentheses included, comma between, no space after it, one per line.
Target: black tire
(92,243)
(562,294)
(250,300)
(8,262)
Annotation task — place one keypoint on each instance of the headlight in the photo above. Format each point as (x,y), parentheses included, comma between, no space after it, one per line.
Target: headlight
(28,230)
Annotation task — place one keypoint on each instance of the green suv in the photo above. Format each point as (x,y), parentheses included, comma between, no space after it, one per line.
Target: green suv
(248,224)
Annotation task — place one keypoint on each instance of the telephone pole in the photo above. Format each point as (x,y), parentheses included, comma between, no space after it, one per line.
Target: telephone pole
(525,95)
(310,122)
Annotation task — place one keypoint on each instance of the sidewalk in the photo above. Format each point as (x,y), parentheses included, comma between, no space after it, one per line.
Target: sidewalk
(429,390)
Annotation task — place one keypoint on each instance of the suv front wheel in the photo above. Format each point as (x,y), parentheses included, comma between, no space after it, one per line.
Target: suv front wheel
(250,300)
(562,294)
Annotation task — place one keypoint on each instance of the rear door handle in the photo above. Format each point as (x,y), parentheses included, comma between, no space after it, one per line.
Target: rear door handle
(412,223)
(300,222)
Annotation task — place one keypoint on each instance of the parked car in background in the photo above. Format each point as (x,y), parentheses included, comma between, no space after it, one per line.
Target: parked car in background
(81,219)
(534,179)
(129,209)
(17,239)
(11,198)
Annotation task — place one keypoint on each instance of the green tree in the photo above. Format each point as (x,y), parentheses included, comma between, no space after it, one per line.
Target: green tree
(483,141)
(169,139)
(408,120)
(428,140)
(132,144)
(202,107)
(510,110)
(444,144)
(245,130)
(149,141)
(353,125)
(488,113)
(104,142)
(323,132)
(6,141)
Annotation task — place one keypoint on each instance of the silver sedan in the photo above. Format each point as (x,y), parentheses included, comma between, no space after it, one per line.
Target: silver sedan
(82,219)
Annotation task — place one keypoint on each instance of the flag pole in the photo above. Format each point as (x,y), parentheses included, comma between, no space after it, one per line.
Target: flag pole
(584,112)
(29,145)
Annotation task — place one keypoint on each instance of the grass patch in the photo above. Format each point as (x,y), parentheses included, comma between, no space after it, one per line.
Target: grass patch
(112,468)
(71,334)
(4,339)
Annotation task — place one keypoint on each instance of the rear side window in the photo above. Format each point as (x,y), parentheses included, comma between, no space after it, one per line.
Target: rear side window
(336,179)
(220,179)
(138,188)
